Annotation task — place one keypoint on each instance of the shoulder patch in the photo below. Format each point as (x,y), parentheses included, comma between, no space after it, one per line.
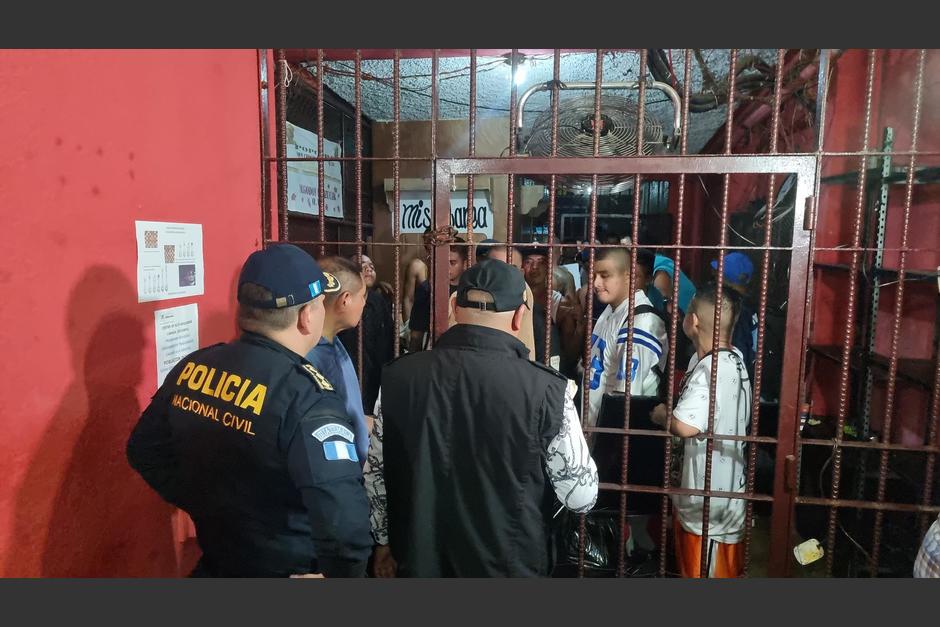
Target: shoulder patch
(339,451)
(318,378)
(327,431)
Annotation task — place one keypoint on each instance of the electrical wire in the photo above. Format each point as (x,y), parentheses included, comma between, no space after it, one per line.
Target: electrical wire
(390,83)
(349,72)
(839,522)
(733,230)
(910,278)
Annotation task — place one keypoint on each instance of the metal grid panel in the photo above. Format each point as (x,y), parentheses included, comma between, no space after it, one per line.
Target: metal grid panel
(794,74)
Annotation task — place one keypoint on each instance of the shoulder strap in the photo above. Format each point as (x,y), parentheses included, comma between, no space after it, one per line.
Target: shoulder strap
(645,309)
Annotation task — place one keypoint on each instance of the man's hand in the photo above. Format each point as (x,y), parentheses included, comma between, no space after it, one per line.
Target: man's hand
(383,563)
(308,576)
(659,415)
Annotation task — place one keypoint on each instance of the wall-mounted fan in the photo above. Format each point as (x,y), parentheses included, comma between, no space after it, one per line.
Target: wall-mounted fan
(618,130)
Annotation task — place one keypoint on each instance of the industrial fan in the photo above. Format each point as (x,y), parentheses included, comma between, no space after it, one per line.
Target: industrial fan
(617,133)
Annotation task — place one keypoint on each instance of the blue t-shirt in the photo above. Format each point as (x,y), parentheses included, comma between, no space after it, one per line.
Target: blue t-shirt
(686,287)
(331,359)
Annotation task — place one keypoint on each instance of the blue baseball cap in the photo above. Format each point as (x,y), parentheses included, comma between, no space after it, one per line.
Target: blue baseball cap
(738,268)
(291,275)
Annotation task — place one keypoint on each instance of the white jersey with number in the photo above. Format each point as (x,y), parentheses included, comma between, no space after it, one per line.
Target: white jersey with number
(609,369)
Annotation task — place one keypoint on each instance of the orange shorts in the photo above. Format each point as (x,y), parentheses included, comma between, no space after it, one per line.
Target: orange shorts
(724,560)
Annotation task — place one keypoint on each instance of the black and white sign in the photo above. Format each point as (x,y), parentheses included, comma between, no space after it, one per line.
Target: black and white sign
(415,212)
(303,181)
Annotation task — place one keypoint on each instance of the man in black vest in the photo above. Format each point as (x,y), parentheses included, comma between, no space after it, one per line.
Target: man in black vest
(473,442)
(253,442)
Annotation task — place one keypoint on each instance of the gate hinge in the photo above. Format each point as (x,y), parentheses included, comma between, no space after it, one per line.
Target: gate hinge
(809,214)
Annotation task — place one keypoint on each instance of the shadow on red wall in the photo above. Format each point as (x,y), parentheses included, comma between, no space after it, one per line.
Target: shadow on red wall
(81,511)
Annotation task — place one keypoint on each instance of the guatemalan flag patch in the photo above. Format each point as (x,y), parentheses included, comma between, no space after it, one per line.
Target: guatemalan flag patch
(338,450)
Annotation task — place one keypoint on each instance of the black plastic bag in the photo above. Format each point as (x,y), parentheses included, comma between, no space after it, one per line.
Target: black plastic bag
(601,542)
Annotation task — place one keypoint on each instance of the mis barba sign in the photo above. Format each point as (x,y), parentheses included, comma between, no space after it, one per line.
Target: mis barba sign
(415,212)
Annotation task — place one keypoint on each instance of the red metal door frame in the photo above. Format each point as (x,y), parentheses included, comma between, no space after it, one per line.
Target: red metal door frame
(805,169)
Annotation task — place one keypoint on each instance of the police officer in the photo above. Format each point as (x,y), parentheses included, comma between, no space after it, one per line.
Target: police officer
(472,444)
(254,443)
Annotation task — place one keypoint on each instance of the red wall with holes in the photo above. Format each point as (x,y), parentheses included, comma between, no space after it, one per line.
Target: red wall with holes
(93,140)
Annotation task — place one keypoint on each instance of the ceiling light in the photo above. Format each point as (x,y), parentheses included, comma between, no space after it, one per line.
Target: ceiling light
(522,67)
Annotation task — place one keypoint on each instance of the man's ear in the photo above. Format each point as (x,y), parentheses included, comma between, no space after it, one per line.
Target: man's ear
(303,319)
(517,317)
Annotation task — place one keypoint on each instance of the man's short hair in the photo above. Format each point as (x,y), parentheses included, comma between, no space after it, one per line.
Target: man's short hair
(348,272)
(619,255)
(463,251)
(730,305)
(646,259)
(259,320)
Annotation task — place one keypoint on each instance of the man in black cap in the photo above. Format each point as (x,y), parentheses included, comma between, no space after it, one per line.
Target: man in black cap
(495,249)
(472,444)
(253,442)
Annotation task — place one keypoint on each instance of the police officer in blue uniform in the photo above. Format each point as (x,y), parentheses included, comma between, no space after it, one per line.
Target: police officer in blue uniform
(254,443)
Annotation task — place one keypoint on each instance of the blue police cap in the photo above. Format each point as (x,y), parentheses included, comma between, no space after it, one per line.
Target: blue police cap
(291,275)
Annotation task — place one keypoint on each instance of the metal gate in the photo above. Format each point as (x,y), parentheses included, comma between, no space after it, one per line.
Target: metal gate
(782,247)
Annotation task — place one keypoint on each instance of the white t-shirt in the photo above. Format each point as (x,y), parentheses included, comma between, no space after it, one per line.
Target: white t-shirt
(732,416)
(609,359)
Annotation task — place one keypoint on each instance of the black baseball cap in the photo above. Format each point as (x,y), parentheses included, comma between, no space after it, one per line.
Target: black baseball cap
(291,275)
(528,251)
(500,280)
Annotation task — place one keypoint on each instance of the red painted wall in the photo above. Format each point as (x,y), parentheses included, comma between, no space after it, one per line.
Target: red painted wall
(751,131)
(93,140)
(892,105)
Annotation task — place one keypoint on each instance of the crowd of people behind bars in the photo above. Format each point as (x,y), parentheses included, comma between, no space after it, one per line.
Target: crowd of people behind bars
(478,439)
(559,322)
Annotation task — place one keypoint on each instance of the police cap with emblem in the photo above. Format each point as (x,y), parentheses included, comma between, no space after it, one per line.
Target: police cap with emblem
(500,280)
(291,275)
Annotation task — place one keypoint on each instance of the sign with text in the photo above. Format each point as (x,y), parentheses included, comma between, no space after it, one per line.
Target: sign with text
(415,212)
(303,183)
(177,335)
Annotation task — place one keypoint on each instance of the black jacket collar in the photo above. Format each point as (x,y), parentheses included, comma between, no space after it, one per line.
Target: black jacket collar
(483,338)
(260,340)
